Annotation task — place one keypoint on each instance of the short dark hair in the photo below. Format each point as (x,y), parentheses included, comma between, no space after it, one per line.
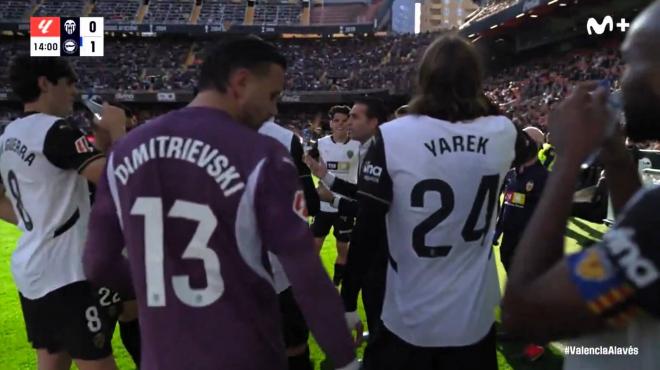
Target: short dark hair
(339,109)
(25,71)
(375,108)
(248,52)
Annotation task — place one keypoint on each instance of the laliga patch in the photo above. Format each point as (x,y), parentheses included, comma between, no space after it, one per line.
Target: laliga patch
(299,205)
(83,146)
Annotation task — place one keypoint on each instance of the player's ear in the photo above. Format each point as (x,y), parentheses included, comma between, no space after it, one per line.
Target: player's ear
(44,84)
(239,79)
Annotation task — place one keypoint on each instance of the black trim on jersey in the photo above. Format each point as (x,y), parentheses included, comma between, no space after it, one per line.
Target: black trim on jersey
(305,177)
(344,187)
(348,138)
(66,147)
(369,247)
(68,224)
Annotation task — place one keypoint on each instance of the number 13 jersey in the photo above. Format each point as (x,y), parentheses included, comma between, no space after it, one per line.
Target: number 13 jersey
(40,160)
(441,181)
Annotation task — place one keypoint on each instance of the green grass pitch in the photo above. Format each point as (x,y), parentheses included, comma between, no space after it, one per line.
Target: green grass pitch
(16,353)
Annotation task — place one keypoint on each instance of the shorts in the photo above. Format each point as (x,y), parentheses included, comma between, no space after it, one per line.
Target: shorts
(343,225)
(389,352)
(69,320)
(293,323)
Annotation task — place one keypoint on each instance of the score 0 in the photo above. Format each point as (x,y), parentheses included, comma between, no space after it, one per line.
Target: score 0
(91,36)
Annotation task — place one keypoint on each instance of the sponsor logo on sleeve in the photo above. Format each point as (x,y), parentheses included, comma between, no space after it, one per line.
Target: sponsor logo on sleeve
(371,172)
(625,251)
(299,205)
(83,145)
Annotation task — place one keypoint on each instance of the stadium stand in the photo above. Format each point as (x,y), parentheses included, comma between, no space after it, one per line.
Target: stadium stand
(15,9)
(61,8)
(267,12)
(220,11)
(338,13)
(169,11)
(116,12)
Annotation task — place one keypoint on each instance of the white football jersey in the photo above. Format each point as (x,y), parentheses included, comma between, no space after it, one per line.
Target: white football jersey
(40,156)
(441,181)
(342,160)
(284,136)
(643,334)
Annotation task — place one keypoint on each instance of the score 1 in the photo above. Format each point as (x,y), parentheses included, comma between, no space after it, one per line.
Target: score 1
(91,36)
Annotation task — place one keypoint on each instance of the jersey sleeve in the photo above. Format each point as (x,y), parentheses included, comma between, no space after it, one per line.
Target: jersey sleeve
(103,260)
(282,224)
(619,276)
(67,147)
(375,183)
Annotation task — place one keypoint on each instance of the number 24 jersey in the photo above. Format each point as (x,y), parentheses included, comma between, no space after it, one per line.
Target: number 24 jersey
(440,181)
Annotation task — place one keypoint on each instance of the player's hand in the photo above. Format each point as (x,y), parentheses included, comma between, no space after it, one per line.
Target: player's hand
(354,323)
(325,195)
(579,123)
(318,168)
(113,121)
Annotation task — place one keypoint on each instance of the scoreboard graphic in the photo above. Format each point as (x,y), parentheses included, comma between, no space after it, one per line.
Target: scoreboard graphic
(66,36)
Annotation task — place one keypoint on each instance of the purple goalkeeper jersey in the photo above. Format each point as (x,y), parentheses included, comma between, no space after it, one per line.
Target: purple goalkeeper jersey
(197,200)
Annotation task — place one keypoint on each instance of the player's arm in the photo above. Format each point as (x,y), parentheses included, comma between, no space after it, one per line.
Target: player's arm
(621,171)
(283,228)
(67,147)
(337,185)
(107,131)
(374,197)
(6,209)
(305,176)
(103,261)
(606,285)
(537,272)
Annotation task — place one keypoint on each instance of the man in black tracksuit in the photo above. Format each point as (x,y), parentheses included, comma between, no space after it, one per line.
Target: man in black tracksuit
(364,118)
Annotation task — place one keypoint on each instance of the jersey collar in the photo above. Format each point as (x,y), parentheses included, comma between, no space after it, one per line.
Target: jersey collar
(28,113)
(345,142)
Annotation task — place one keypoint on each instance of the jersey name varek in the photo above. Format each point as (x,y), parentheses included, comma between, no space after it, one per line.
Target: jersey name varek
(13,144)
(194,151)
(469,143)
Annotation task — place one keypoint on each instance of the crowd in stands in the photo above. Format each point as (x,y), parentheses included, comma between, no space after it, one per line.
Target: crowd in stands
(14,9)
(273,13)
(60,8)
(220,11)
(116,11)
(525,92)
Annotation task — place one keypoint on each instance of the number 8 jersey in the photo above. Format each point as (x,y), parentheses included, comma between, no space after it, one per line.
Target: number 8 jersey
(440,181)
(40,160)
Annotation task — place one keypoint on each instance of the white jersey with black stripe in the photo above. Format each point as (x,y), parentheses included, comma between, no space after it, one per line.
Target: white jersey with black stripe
(40,159)
(342,160)
(440,181)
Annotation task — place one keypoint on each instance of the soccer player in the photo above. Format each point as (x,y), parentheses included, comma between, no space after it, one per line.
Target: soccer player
(434,176)
(608,294)
(45,163)
(197,248)
(295,329)
(340,154)
(364,118)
